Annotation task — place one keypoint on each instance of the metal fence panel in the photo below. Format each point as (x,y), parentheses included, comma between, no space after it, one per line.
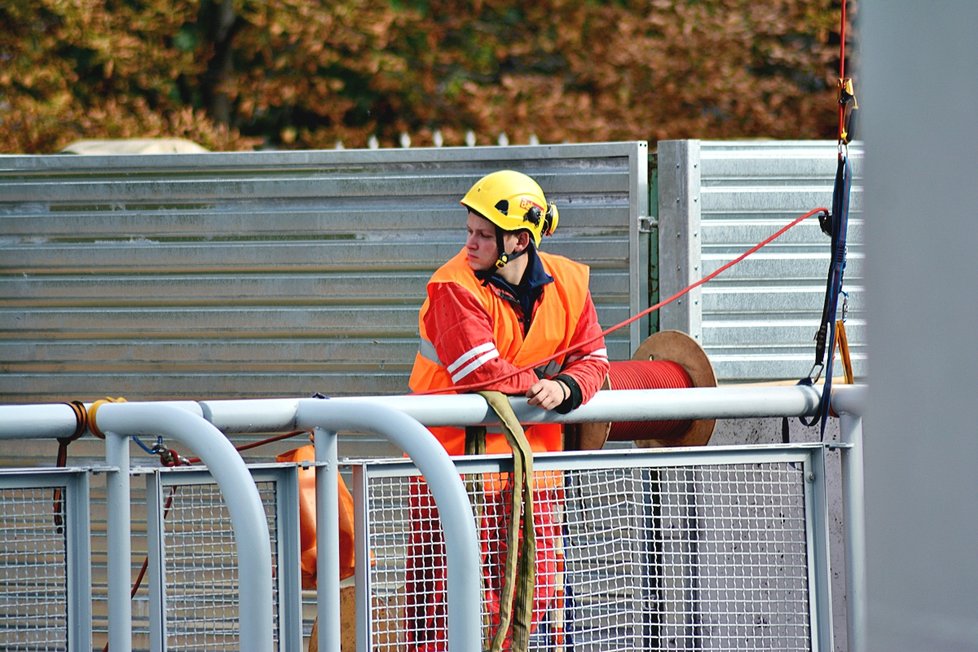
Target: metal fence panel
(757,321)
(45,578)
(274,273)
(48,589)
(694,550)
(193,572)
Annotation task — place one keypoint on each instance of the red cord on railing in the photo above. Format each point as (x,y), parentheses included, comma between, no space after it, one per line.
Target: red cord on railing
(842,71)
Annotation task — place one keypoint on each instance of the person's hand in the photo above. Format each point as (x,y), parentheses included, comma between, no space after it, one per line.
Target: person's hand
(547,393)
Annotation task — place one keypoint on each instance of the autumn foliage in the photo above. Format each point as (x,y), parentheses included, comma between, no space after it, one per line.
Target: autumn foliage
(242,74)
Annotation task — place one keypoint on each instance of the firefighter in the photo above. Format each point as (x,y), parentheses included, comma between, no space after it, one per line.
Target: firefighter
(497,306)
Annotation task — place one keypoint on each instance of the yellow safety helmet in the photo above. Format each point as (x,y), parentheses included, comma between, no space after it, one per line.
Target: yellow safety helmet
(513,201)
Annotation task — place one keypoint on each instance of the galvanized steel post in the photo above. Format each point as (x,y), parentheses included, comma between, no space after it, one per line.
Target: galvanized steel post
(680,248)
(849,403)
(327,544)
(118,540)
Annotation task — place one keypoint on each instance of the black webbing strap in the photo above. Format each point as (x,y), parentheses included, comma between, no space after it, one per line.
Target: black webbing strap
(835,226)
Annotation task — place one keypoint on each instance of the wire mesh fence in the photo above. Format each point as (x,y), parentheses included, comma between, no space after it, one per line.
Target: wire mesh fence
(34,568)
(199,588)
(45,570)
(201,575)
(631,554)
(679,551)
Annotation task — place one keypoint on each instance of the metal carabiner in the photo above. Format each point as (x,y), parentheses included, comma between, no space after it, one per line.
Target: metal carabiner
(813,376)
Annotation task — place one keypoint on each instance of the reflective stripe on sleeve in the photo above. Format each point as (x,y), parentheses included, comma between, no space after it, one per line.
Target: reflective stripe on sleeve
(472,360)
(597,354)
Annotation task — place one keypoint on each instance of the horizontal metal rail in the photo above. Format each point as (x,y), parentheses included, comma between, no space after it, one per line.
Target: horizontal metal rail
(266,415)
(398,417)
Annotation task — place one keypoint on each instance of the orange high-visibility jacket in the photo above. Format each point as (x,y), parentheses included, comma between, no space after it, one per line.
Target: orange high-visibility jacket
(470,333)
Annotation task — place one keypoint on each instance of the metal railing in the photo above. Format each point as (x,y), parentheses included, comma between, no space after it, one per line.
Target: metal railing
(193,581)
(677,549)
(44,562)
(199,425)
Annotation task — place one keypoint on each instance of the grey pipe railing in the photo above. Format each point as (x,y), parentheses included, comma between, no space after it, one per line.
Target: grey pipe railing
(268,415)
(120,420)
(620,405)
(454,511)
(326,417)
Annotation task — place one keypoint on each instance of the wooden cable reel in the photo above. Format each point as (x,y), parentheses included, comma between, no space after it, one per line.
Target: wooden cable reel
(665,360)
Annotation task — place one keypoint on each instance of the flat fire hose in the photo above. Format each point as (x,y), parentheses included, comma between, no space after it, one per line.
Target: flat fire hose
(519,573)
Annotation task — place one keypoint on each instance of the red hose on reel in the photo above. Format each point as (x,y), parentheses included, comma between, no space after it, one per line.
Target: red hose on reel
(666,360)
(648,374)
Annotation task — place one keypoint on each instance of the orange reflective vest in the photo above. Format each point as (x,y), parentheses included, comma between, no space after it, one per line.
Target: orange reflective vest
(555,320)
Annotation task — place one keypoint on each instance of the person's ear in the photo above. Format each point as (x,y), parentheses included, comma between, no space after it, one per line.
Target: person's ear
(522,240)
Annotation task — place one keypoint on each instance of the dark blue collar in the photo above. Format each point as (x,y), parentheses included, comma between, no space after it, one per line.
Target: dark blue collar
(526,293)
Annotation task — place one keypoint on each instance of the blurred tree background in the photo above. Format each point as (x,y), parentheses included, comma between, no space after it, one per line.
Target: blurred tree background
(246,74)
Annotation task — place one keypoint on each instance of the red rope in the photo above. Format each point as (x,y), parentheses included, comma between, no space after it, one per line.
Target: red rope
(842,43)
(842,70)
(777,234)
(648,374)
(256,444)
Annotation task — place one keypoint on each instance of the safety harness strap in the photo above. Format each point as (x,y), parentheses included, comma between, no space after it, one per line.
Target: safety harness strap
(836,226)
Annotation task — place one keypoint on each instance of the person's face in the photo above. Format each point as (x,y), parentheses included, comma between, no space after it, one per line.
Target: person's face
(480,243)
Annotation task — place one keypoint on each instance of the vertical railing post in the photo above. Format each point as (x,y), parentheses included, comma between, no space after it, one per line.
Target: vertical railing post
(849,403)
(328,533)
(854,515)
(118,539)
(680,245)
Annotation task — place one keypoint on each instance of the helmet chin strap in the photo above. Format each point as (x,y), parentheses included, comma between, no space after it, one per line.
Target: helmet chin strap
(504,257)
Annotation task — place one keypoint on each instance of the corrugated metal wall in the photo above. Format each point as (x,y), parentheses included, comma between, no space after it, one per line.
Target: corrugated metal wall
(287,273)
(271,274)
(758,319)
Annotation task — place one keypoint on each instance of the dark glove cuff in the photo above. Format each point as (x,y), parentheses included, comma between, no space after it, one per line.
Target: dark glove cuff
(576,397)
